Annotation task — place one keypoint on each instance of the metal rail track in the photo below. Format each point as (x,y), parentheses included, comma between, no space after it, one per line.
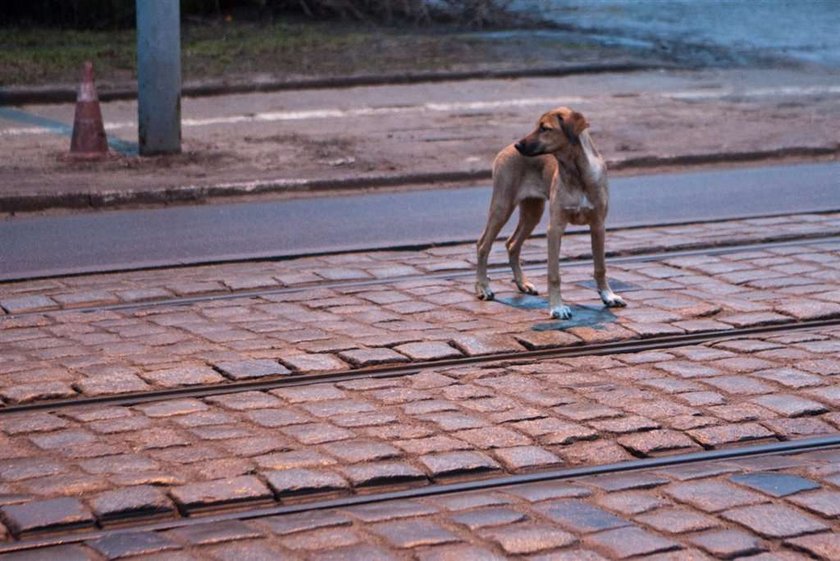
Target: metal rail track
(464,486)
(686,250)
(619,347)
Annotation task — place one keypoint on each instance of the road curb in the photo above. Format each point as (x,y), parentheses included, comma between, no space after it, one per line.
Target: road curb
(67,93)
(202,193)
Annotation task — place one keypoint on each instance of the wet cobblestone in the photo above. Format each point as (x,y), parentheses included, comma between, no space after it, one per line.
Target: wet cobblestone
(536,521)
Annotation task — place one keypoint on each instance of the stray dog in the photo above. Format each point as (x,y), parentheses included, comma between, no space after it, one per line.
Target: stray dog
(556,162)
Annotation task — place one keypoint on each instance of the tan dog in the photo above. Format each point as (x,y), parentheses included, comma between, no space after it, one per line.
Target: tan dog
(557,162)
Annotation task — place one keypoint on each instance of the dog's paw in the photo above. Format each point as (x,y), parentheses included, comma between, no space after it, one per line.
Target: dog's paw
(561,312)
(526,287)
(611,299)
(483,292)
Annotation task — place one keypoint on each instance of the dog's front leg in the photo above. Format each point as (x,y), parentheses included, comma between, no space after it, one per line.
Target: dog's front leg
(556,228)
(597,232)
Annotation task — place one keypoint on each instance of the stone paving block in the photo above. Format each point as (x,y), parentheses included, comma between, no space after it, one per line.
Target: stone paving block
(316,392)
(183,376)
(85,298)
(631,502)
(713,496)
(372,357)
(554,431)
(775,484)
(627,424)
(304,481)
(46,515)
(536,340)
(358,552)
(753,318)
(392,510)
(481,344)
(774,521)
(580,517)
(824,502)
(132,502)
(355,451)
(110,384)
(448,464)
(460,552)
(686,369)
(492,437)
(252,368)
(720,435)
(790,377)
(62,439)
(428,350)
(630,541)
(406,534)
(727,544)
(322,539)
(678,520)
(314,363)
(454,421)
(522,539)
(304,521)
(526,458)
(55,553)
(129,544)
(26,304)
(250,551)
(825,546)
(739,385)
(383,473)
(459,502)
(196,496)
(486,517)
(143,294)
(27,393)
(245,401)
(790,405)
(317,433)
(29,423)
(656,442)
(214,532)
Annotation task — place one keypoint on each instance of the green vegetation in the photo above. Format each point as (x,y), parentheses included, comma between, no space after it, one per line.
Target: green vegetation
(212,49)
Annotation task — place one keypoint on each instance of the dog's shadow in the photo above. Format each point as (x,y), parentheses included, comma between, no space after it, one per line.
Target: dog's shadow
(582,316)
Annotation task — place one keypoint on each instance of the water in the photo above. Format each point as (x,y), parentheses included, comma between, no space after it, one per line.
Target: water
(726,30)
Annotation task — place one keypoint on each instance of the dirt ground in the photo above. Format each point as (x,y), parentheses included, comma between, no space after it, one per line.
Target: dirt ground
(290,140)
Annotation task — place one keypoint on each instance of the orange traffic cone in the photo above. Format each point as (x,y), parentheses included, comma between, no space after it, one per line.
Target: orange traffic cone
(89,141)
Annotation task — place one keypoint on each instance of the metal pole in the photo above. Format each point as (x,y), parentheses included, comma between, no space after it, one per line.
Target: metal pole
(159,76)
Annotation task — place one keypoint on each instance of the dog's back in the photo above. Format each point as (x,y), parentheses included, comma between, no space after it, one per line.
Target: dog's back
(522,177)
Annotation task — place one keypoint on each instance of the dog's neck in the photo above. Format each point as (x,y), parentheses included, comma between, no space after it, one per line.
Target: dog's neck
(582,160)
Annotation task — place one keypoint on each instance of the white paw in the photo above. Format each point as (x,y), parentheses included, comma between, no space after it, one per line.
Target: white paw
(611,299)
(561,312)
(526,287)
(483,291)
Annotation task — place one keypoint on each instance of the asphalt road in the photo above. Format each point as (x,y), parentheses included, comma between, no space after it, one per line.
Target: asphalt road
(131,239)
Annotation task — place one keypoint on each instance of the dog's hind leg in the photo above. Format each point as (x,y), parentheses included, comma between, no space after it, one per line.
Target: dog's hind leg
(597,232)
(500,211)
(530,213)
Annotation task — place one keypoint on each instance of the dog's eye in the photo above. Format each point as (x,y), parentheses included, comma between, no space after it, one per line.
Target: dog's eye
(544,128)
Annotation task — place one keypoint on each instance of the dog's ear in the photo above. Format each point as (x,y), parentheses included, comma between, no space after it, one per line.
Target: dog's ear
(574,125)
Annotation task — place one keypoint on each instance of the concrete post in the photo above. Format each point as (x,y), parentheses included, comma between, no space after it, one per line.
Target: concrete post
(159,76)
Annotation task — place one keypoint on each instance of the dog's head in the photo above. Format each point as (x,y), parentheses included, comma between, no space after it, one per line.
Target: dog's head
(555,130)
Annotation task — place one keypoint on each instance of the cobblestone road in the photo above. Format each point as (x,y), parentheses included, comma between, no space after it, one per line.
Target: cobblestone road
(316,329)
(772,508)
(192,454)
(81,467)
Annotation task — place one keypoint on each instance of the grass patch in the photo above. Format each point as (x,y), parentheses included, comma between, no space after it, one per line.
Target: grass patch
(216,49)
